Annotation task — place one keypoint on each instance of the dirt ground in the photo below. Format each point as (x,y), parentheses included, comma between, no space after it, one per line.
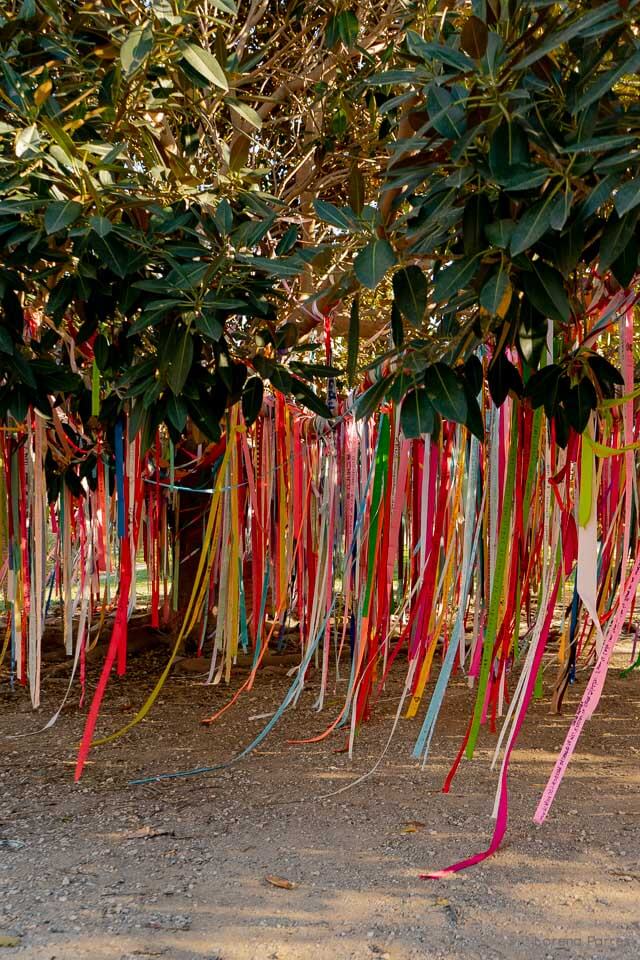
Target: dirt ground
(177,870)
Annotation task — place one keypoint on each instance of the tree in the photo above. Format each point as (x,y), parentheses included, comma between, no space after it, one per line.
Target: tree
(181,186)
(511,199)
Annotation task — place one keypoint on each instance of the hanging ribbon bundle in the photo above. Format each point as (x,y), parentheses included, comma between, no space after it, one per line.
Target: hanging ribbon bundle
(439,555)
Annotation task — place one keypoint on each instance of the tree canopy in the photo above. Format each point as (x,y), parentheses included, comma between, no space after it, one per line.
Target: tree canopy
(187,188)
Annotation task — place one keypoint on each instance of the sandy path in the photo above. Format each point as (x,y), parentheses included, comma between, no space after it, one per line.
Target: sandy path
(93,881)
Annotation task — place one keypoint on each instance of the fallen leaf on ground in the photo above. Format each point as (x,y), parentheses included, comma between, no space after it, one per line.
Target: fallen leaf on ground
(147,833)
(412,826)
(281,882)
(7,941)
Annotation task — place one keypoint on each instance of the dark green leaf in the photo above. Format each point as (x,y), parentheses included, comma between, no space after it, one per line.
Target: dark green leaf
(499,233)
(446,392)
(605,373)
(455,277)
(473,373)
(615,236)
(542,387)
(369,401)
(473,421)
(502,377)
(417,415)
(252,396)
(176,412)
(135,49)
(436,51)
(579,25)
(627,196)
(101,351)
(606,81)
(339,217)
(100,225)
(495,292)
(373,261)
(581,400)
(205,64)
(445,113)
(306,396)
(60,214)
(6,343)
(477,213)
(397,330)
(544,287)
(625,267)
(180,363)
(533,224)
(410,290)
(508,150)
(348,27)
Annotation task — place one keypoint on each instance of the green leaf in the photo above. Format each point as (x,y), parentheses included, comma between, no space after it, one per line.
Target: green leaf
(244,111)
(495,291)
(135,49)
(177,412)
(252,396)
(205,64)
(223,217)
(533,224)
(477,213)
(227,6)
(306,396)
(28,142)
(417,415)
(606,81)
(348,28)
(502,377)
(341,218)
(581,23)
(369,401)
(625,267)
(499,233)
(180,363)
(397,330)
(473,422)
(410,290)
(209,325)
(456,276)
(446,392)
(6,343)
(606,374)
(599,195)
(615,236)
(373,261)
(600,144)
(579,403)
(353,341)
(508,150)
(100,225)
(60,214)
(627,197)
(429,52)
(544,287)
(447,116)
(542,387)
(101,351)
